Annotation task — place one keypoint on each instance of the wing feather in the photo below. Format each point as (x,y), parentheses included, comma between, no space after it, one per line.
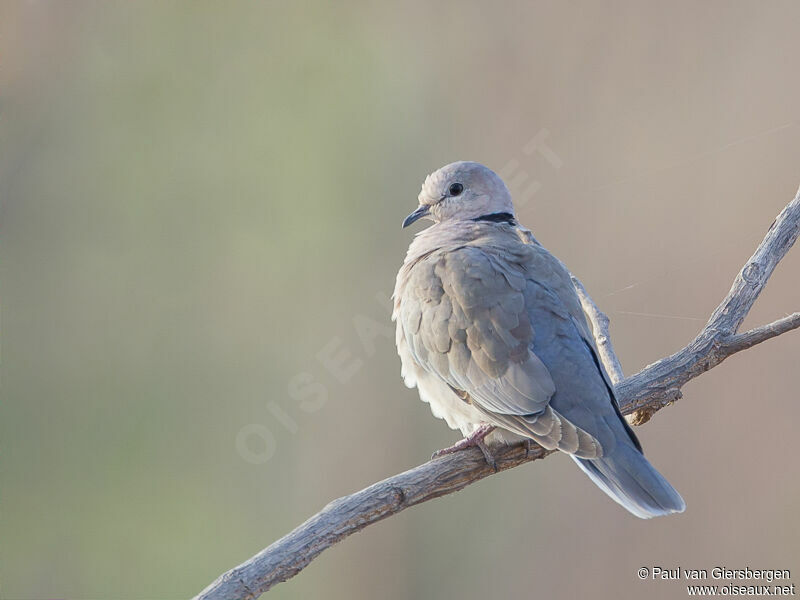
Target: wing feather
(465,318)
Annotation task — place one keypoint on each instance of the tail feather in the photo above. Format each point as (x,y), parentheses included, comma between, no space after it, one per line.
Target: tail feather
(629,479)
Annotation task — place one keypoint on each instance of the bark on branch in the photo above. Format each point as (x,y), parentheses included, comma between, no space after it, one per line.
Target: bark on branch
(640,396)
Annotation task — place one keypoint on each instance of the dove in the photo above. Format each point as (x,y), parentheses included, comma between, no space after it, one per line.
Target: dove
(491,332)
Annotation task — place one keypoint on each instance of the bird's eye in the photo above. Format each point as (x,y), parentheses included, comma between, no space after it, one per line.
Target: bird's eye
(456,189)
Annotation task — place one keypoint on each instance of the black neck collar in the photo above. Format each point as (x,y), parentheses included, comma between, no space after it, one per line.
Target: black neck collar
(501,217)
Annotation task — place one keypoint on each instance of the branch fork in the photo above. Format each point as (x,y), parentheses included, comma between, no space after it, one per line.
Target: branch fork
(640,397)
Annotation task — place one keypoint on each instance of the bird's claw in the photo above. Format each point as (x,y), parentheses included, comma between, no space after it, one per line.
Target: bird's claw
(476,438)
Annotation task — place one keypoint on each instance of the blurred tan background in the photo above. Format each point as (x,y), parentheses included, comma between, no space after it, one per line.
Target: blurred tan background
(199,199)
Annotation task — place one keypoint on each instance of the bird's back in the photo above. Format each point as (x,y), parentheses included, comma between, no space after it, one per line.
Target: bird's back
(490,327)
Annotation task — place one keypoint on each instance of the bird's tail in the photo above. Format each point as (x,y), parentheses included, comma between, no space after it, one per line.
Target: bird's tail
(627,476)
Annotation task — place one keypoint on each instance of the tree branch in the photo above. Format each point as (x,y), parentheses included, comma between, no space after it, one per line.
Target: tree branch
(640,396)
(602,338)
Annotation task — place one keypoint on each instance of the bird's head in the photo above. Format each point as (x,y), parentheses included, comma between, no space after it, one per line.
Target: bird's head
(461,191)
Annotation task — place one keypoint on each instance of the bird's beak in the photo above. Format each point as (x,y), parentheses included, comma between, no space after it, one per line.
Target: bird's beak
(422,211)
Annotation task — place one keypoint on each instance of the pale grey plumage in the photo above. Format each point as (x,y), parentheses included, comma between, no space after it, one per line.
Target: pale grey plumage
(490,329)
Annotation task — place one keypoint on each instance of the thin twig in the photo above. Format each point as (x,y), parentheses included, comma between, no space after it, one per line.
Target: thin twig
(600,327)
(640,396)
(748,339)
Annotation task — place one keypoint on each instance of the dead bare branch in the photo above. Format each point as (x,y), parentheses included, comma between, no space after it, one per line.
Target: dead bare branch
(640,396)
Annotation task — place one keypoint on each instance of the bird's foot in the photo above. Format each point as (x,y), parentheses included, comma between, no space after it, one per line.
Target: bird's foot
(476,438)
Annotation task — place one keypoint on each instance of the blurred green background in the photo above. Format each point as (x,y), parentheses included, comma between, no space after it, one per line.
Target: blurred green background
(198,199)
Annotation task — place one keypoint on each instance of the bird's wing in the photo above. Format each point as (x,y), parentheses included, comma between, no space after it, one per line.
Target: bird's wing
(464,317)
